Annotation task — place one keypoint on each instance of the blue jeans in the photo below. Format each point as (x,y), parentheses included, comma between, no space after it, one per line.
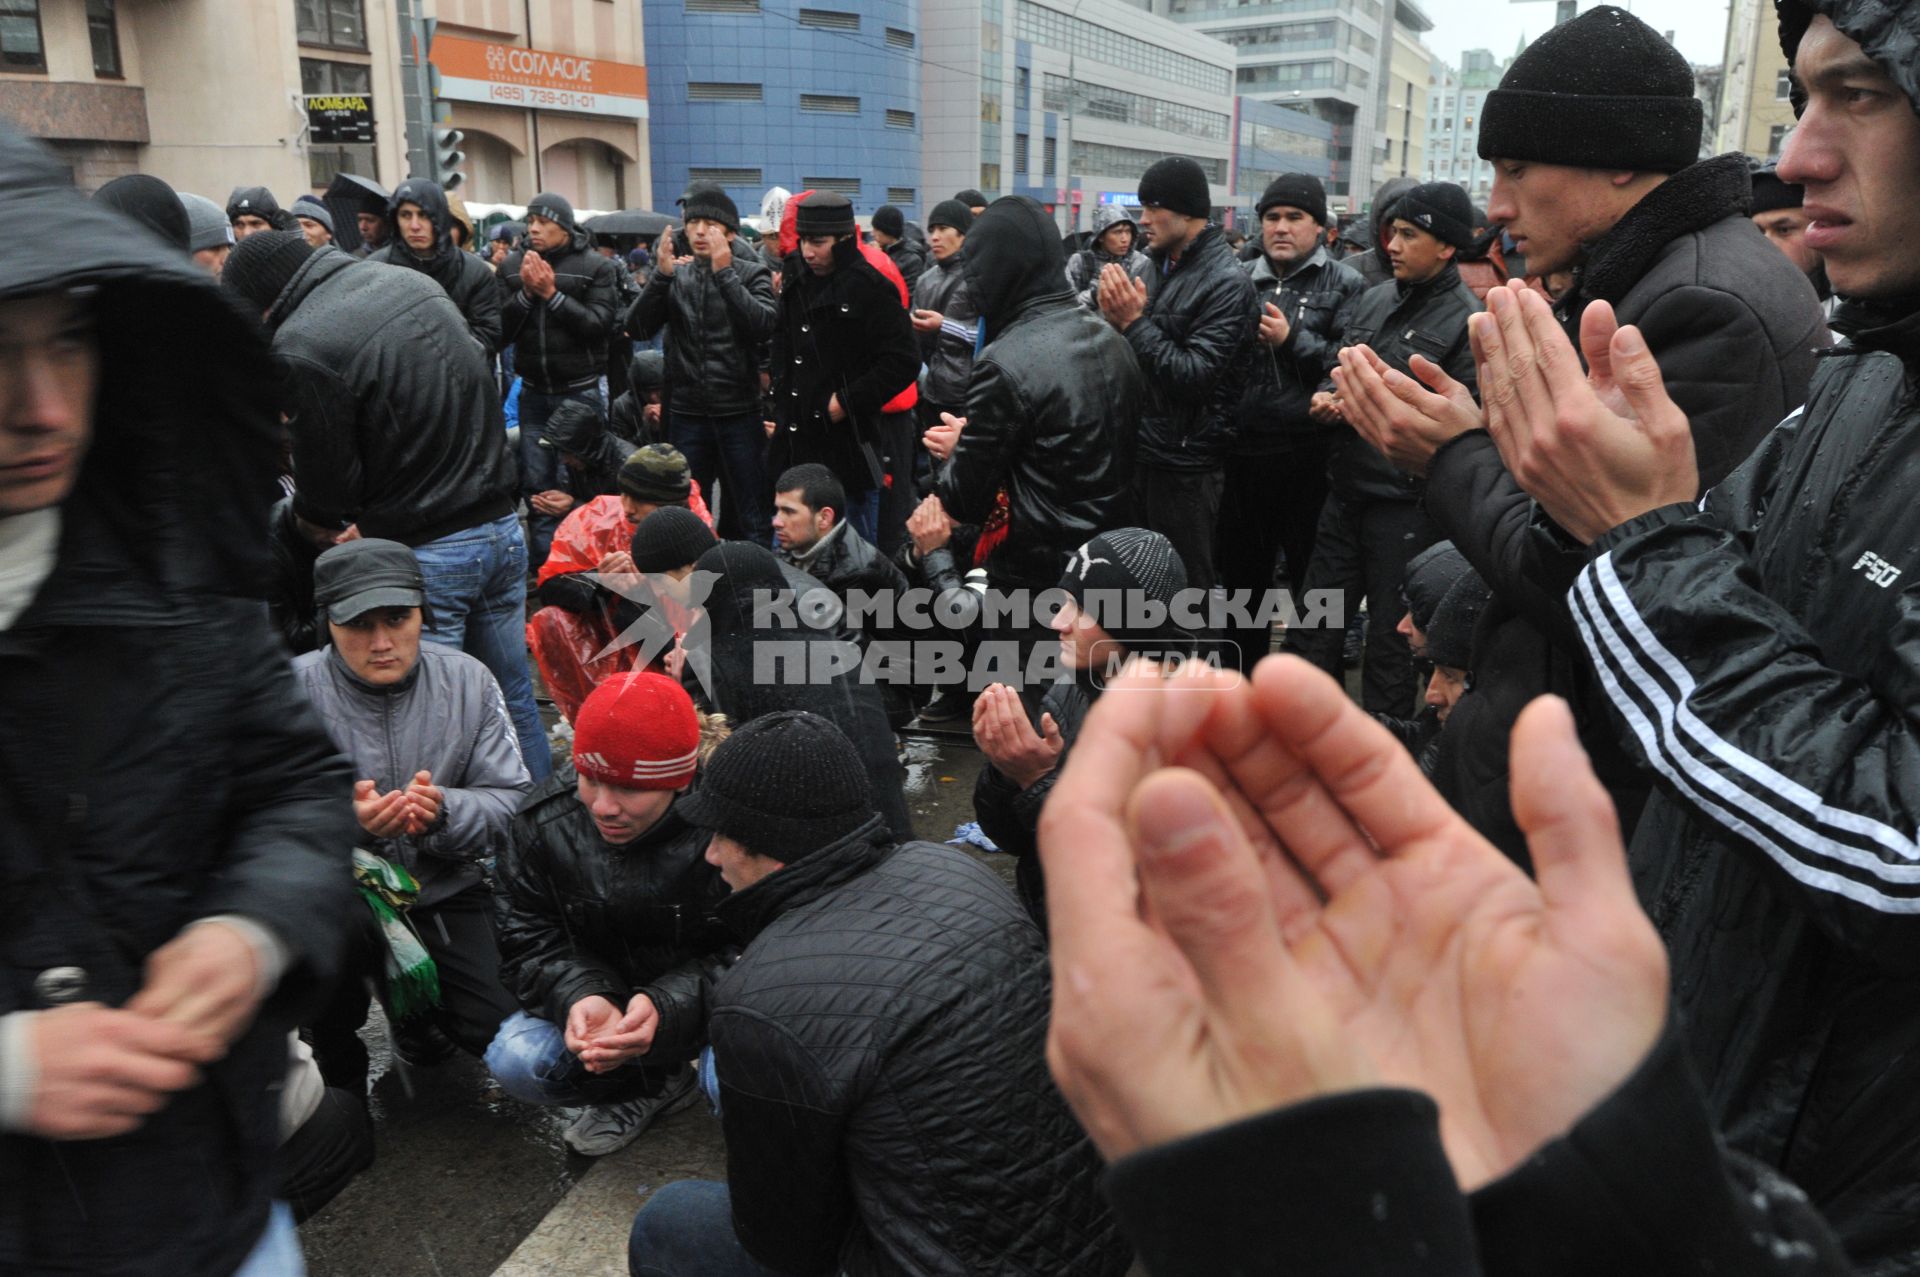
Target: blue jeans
(277,1253)
(686,1230)
(735,448)
(477,593)
(863,511)
(530,1061)
(541,468)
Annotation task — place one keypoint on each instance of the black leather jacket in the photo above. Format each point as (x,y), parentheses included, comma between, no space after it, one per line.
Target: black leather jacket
(718,323)
(1400,321)
(1315,298)
(561,344)
(882,1056)
(474,288)
(948,352)
(1052,409)
(577,917)
(396,422)
(1193,343)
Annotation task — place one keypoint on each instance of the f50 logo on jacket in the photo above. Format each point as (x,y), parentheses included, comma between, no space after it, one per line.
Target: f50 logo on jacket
(1877,569)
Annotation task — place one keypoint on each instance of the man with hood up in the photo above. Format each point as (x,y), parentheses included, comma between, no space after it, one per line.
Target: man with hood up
(423,240)
(1367,238)
(1052,407)
(561,298)
(1115,239)
(1757,649)
(590,453)
(173,855)
(253,209)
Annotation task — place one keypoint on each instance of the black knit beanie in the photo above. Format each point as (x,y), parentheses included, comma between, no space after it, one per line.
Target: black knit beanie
(1603,91)
(889,220)
(671,537)
(782,785)
(150,202)
(1441,209)
(825,213)
(951,213)
(1122,570)
(260,266)
(1178,185)
(555,208)
(1450,629)
(1295,190)
(1430,574)
(1771,194)
(711,204)
(658,473)
(972,199)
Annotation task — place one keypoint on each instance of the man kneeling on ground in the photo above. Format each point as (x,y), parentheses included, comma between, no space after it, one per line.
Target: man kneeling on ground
(879,1048)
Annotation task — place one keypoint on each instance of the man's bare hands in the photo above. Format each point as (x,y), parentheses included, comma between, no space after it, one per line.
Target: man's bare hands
(1256,898)
(1123,299)
(836,411)
(1405,421)
(722,255)
(382,815)
(553,501)
(1274,328)
(1004,734)
(941,440)
(1325,407)
(630,1037)
(929,525)
(1595,448)
(101,1072)
(926,321)
(206,980)
(586,1020)
(537,277)
(424,802)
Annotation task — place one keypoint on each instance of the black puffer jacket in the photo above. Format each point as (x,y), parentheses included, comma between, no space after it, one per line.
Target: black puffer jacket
(912,258)
(1052,409)
(157,764)
(881,1046)
(474,288)
(848,335)
(843,560)
(396,422)
(575,429)
(561,344)
(1760,653)
(948,352)
(1010,815)
(718,324)
(578,917)
(1193,345)
(627,416)
(290,589)
(1400,321)
(762,658)
(1734,328)
(1315,297)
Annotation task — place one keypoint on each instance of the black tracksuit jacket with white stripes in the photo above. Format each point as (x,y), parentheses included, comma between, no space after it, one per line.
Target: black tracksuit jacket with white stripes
(1762,654)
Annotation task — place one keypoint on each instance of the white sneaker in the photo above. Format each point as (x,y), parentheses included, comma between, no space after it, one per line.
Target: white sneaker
(608,1128)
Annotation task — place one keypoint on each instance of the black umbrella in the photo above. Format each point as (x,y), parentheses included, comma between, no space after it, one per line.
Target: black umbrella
(348,196)
(631,221)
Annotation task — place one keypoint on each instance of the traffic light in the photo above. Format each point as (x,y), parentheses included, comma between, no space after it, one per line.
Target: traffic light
(448,157)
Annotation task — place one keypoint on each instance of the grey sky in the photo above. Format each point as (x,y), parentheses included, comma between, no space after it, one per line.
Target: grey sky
(1699,26)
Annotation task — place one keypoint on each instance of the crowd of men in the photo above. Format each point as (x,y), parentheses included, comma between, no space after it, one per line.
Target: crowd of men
(1571,943)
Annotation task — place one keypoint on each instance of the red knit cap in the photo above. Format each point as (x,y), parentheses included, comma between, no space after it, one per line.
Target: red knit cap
(637,731)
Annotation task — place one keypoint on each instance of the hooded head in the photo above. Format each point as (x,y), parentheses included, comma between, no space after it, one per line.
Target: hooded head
(425,195)
(248,203)
(179,371)
(150,202)
(1014,257)
(1379,221)
(647,370)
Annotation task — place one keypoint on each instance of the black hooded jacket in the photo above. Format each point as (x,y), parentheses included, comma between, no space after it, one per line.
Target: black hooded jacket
(259,201)
(1194,343)
(1734,327)
(560,344)
(575,428)
(474,288)
(1368,235)
(843,334)
(785,662)
(397,425)
(1053,405)
(157,764)
(578,918)
(881,1048)
(718,323)
(1759,651)
(1315,297)
(627,416)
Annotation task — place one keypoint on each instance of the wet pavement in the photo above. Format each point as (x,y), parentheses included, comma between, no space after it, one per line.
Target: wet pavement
(464,1175)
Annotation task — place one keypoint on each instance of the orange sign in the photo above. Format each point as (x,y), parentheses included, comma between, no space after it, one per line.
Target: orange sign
(509,75)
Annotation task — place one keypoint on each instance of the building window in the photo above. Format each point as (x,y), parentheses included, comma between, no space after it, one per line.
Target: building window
(1121,161)
(900,195)
(830,19)
(1783,85)
(847,186)
(1777,138)
(1022,86)
(20,45)
(105,34)
(724,176)
(336,23)
(989,178)
(897,119)
(1050,156)
(722,91)
(1020,141)
(723,6)
(898,39)
(829,104)
(324,162)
